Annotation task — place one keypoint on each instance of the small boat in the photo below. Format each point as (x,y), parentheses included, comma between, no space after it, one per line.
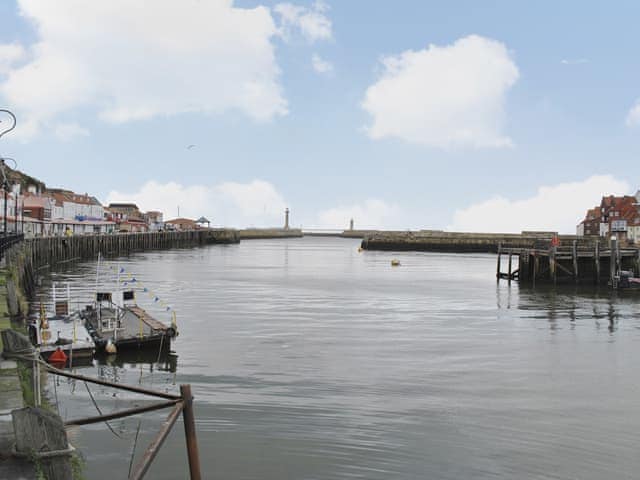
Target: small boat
(125,325)
(395,262)
(626,280)
(116,323)
(62,334)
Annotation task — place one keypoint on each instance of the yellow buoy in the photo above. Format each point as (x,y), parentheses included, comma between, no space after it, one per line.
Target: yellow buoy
(395,262)
(110,347)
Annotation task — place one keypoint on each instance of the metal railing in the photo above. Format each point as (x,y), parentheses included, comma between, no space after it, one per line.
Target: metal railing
(182,403)
(8,240)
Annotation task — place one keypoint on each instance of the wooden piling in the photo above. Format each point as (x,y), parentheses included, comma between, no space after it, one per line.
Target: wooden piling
(41,434)
(596,256)
(574,256)
(510,274)
(552,264)
(612,261)
(499,259)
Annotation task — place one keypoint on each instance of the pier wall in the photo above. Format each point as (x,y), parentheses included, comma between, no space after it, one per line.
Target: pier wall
(457,242)
(266,233)
(51,250)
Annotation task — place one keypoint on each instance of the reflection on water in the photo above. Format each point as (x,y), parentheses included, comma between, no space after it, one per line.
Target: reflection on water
(311,360)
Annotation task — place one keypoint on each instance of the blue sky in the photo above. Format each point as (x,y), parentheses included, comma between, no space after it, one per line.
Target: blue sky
(557,80)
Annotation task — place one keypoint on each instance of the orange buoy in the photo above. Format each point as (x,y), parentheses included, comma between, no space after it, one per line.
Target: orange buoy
(58,356)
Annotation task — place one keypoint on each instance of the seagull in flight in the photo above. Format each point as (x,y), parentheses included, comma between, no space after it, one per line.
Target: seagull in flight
(190,146)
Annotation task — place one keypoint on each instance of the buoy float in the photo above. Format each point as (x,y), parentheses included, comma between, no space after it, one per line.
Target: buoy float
(110,347)
(395,262)
(359,249)
(58,357)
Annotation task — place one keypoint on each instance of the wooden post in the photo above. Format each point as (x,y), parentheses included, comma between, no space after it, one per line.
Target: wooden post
(574,255)
(552,264)
(41,433)
(612,261)
(637,272)
(499,257)
(535,267)
(510,266)
(596,257)
(190,432)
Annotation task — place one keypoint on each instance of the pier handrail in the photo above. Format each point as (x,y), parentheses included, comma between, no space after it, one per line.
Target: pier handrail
(8,240)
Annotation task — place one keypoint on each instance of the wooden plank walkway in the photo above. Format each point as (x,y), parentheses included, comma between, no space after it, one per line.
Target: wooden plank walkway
(148,319)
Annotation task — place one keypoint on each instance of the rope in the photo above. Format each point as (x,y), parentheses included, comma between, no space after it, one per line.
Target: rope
(160,350)
(100,411)
(133,451)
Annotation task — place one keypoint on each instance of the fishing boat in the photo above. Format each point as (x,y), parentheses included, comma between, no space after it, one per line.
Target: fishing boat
(124,324)
(62,336)
(117,323)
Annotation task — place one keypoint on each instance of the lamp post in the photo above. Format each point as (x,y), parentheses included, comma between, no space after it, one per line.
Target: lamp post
(13,121)
(5,184)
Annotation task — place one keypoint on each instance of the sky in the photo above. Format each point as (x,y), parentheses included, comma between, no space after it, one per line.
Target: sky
(492,116)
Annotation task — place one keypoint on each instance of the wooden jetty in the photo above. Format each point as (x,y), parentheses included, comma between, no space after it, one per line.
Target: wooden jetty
(583,262)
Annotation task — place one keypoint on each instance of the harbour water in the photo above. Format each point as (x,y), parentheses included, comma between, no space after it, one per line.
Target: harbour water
(310,360)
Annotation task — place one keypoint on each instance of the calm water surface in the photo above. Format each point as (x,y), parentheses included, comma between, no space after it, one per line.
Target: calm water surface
(310,360)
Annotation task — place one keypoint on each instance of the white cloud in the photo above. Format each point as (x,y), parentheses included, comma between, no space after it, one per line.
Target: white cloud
(554,208)
(130,60)
(633,116)
(372,213)
(256,203)
(10,54)
(574,61)
(69,131)
(451,96)
(320,65)
(312,22)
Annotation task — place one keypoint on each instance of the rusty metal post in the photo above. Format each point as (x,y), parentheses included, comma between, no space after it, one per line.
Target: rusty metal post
(190,432)
(154,446)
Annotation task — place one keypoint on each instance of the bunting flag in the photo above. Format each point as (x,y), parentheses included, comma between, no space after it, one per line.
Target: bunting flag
(131,280)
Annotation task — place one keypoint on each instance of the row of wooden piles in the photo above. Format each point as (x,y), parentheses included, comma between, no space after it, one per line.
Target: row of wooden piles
(587,263)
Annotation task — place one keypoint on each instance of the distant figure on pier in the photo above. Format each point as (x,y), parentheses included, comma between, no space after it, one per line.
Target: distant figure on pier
(286,219)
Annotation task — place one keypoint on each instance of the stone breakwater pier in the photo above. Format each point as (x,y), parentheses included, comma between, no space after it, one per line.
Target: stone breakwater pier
(529,257)
(457,242)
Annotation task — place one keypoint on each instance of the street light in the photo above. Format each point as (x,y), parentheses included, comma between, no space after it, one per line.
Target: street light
(5,183)
(13,121)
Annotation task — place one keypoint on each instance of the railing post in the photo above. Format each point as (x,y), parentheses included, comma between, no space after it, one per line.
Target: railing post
(190,432)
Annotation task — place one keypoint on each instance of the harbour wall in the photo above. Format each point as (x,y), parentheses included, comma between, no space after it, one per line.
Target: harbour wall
(459,242)
(52,250)
(266,233)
